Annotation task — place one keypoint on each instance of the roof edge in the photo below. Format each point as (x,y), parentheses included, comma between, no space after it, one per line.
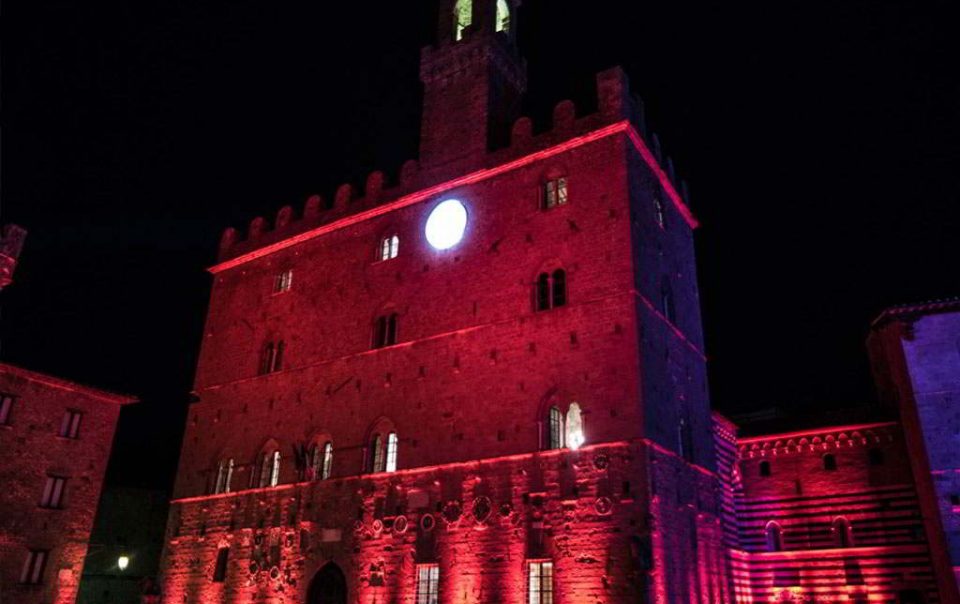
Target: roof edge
(930,307)
(62,384)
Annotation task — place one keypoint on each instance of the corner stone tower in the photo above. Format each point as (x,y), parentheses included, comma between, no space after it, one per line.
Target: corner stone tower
(483,384)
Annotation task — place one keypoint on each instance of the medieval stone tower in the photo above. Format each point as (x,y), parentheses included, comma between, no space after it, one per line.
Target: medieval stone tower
(482,382)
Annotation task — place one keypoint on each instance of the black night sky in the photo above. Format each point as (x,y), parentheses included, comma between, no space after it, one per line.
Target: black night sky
(821,141)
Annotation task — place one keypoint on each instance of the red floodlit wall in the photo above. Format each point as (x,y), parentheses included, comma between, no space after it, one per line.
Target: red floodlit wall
(468,385)
(480,521)
(850,529)
(32,449)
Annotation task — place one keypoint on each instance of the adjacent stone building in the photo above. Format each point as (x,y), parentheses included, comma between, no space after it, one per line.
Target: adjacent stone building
(915,351)
(55,439)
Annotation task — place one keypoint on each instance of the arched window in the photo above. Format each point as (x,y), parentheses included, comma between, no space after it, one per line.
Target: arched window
(666,301)
(391,456)
(559,287)
(269,469)
(543,291)
(224,476)
(462,17)
(503,15)
(554,193)
(556,429)
(574,429)
(829,462)
(327,464)
(385,331)
(271,358)
(389,247)
(376,454)
(774,536)
(842,533)
(551,290)
(321,460)
(764,468)
(383,453)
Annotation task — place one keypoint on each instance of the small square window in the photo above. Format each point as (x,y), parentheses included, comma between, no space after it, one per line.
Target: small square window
(6,406)
(70,425)
(52,497)
(389,247)
(554,193)
(283,281)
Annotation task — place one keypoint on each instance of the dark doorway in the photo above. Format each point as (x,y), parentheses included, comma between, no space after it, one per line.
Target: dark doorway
(329,586)
(910,596)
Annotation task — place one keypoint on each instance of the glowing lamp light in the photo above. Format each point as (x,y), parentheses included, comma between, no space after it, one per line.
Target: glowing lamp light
(446,224)
(123,562)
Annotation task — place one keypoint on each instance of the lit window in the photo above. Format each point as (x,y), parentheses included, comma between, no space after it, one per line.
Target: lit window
(556,429)
(574,428)
(33,566)
(283,281)
(774,536)
(540,582)
(52,497)
(389,247)
(70,424)
(503,15)
(270,469)
(224,476)
(462,17)
(391,460)
(271,359)
(377,463)
(6,406)
(842,533)
(428,582)
(551,290)
(385,331)
(321,460)
(327,461)
(220,570)
(554,193)
(829,462)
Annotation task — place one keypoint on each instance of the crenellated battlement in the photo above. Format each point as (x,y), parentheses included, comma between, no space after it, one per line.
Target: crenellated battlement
(615,105)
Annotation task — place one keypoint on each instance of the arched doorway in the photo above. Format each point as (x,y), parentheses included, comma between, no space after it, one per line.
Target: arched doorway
(328,586)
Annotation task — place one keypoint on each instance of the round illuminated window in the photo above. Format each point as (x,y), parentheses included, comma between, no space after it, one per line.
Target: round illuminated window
(446,224)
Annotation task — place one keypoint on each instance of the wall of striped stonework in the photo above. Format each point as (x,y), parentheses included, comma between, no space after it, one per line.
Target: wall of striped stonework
(786,483)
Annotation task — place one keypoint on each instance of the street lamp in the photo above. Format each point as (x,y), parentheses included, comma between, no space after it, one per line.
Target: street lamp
(123,562)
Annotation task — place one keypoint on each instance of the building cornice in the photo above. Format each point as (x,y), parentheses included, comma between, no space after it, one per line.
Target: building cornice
(62,384)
